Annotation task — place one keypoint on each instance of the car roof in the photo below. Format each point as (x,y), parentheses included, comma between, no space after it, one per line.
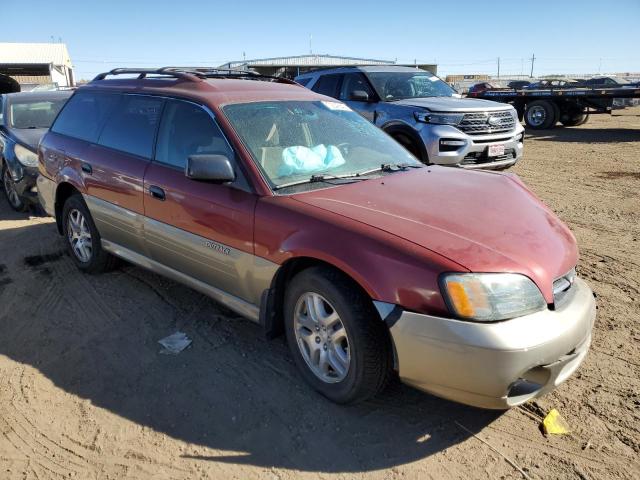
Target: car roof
(362,68)
(217,91)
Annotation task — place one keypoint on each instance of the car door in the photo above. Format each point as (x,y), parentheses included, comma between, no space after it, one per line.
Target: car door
(352,84)
(113,168)
(201,229)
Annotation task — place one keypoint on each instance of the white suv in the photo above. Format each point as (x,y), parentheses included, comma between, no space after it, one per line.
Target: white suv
(425,115)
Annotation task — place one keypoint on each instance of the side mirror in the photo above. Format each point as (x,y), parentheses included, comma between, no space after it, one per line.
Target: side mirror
(359,96)
(210,168)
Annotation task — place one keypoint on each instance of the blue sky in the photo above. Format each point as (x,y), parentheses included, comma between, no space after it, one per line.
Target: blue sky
(461,36)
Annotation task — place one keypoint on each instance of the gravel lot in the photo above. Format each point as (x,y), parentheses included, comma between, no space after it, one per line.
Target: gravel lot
(84,392)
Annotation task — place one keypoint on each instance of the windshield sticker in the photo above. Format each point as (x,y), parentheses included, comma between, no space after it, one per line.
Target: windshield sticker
(433,78)
(336,106)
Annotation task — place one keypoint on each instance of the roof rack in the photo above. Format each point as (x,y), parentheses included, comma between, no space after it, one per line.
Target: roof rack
(194,74)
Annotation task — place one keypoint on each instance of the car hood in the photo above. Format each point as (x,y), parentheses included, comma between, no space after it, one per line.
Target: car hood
(485,222)
(452,104)
(29,137)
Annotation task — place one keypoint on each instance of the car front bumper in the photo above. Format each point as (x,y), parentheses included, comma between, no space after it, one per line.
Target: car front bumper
(472,150)
(25,183)
(495,365)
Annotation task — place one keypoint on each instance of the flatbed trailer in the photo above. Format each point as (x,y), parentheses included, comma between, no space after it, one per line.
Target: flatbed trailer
(544,108)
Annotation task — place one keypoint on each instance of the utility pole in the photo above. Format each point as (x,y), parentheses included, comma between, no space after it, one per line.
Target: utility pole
(599,66)
(498,68)
(533,59)
(310,49)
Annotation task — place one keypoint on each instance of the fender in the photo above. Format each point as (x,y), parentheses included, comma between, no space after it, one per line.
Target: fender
(397,126)
(386,267)
(8,159)
(66,179)
(71,176)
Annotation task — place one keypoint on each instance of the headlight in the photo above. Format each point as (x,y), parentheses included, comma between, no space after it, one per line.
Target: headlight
(439,118)
(25,156)
(489,297)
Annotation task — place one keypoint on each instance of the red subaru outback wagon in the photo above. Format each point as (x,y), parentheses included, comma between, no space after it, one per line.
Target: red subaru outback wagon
(294,211)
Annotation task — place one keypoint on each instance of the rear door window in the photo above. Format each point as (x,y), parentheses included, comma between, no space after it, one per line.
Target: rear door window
(84,114)
(187,129)
(131,128)
(328,85)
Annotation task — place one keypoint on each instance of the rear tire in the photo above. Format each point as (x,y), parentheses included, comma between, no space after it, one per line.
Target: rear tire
(83,239)
(575,120)
(322,304)
(541,114)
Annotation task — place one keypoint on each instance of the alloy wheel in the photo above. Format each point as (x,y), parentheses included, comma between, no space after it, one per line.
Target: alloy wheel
(322,338)
(10,189)
(79,235)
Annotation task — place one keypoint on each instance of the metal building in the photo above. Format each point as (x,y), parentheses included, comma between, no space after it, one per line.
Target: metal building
(295,65)
(37,64)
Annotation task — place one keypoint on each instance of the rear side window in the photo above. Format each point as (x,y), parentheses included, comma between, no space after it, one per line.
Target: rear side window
(84,114)
(328,85)
(304,81)
(131,128)
(187,129)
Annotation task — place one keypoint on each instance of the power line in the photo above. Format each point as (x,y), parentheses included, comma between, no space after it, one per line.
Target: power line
(533,59)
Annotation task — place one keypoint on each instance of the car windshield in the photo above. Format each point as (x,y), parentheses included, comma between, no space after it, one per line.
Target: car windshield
(294,141)
(34,113)
(400,85)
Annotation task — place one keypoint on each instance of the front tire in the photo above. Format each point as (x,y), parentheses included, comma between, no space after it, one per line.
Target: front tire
(336,337)
(10,190)
(83,239)
(410,146)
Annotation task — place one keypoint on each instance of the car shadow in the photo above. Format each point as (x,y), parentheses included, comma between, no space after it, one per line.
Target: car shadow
(232,391)
(584,135)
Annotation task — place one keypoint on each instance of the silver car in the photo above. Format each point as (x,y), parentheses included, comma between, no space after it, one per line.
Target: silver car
(426,115)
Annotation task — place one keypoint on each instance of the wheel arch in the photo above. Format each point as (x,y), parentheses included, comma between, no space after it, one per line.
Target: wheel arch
(272,303)
(395,128)
(64,190)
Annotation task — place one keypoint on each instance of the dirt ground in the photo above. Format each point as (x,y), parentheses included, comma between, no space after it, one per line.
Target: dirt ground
(85,393)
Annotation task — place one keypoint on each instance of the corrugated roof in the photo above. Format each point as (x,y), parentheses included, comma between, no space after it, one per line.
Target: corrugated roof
(307,61)
(31,53)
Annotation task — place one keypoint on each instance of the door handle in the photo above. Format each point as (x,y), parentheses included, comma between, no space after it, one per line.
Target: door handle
(157,192)
(86,168)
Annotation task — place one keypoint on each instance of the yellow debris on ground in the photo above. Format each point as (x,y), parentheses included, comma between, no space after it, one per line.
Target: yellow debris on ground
(554,424)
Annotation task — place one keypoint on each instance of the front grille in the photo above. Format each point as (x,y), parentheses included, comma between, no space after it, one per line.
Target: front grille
(562,286)
(478,158)
(478,123)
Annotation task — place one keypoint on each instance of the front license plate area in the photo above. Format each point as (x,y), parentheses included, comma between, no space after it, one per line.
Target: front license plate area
(496,150)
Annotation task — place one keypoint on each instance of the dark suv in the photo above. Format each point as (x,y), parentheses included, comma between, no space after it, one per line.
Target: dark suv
(425,115)
(294,211)
(24,119)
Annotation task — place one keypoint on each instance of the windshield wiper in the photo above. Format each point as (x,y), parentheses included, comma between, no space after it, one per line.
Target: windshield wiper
(322,178)
(354,177)
(394,167)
